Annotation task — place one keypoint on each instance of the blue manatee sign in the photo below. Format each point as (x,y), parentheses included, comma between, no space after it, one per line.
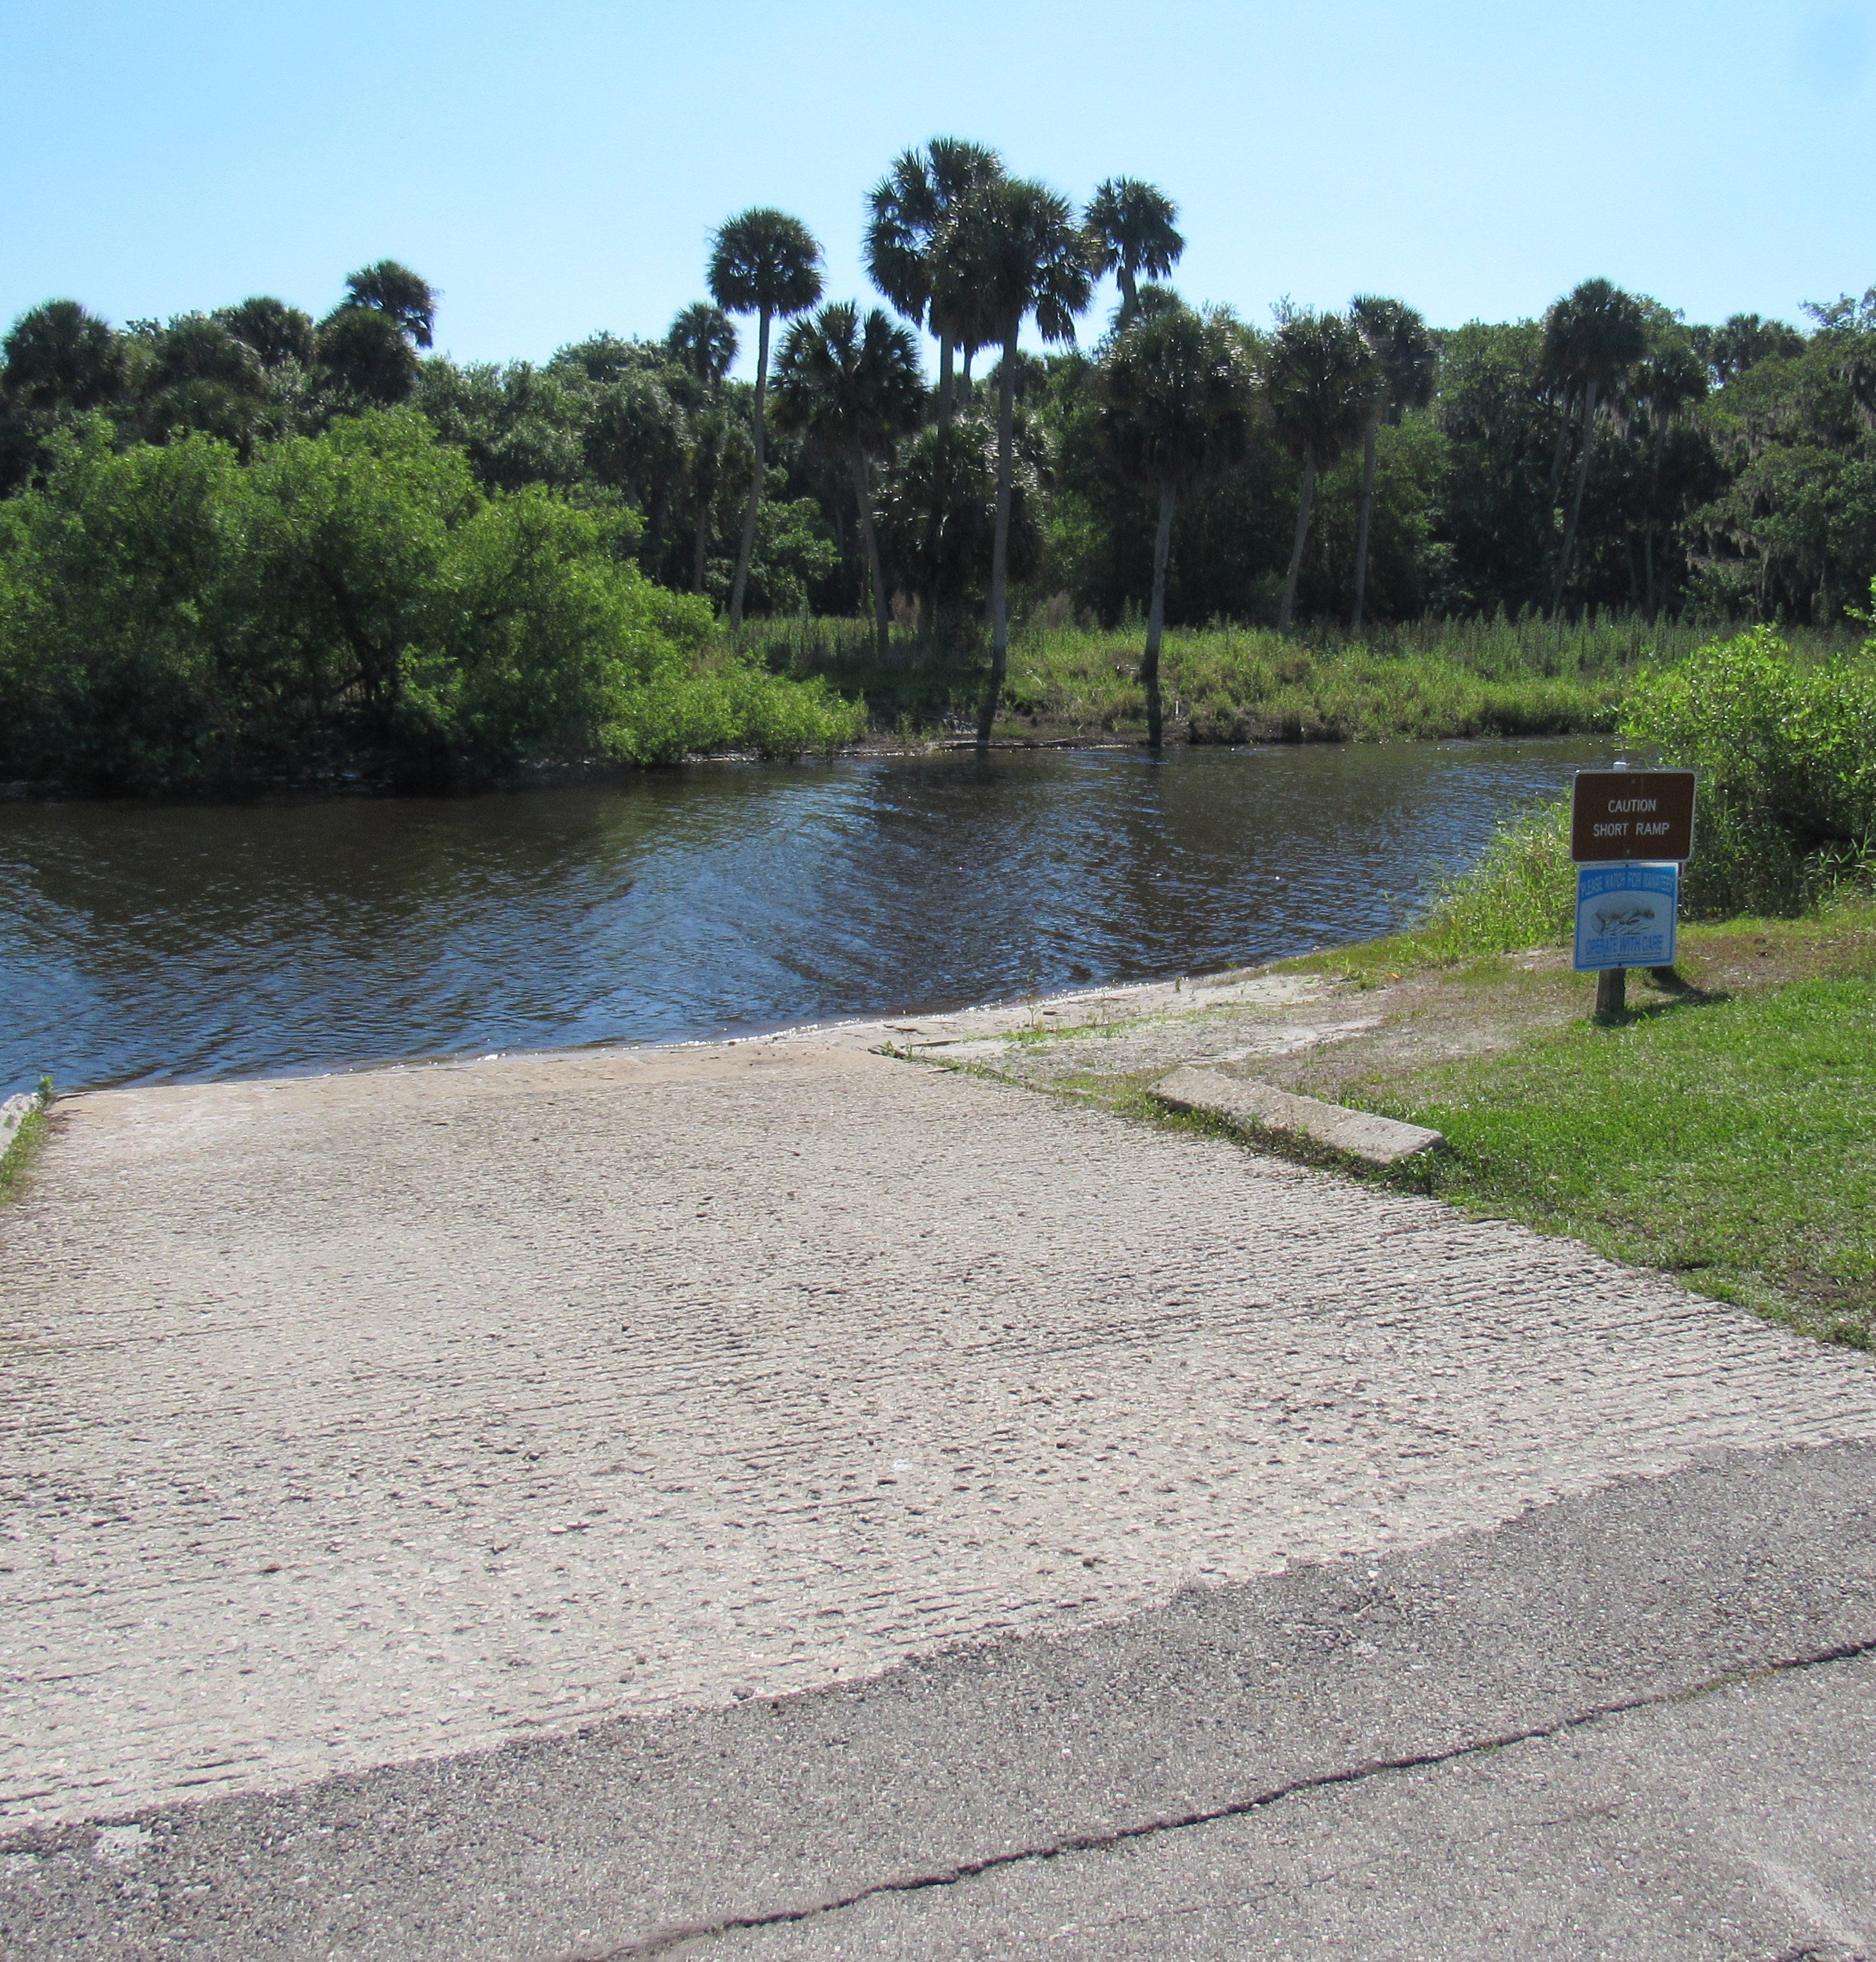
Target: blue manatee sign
(1626,915)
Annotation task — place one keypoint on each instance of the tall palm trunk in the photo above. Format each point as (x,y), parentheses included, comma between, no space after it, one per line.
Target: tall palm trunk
(882,611)
(746,549)
(1289,611)
(1361,523)
(1156,616)
(1129,297)
(1576,497)
(703,544)
(1000,548)
(944,381)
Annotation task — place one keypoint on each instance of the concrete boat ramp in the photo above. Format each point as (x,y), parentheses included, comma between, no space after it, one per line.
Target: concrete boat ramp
(781,1499)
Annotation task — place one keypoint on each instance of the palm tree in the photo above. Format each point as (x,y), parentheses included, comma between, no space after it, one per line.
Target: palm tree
(1405,360)
(766,263)
(1174,407)
(852,387)
(365,350)
(395,290)
(1321,383)
(702,342)
(1012,250)
(1132,226)
(938,519)
(58,355)
(909,207)
(1741,341)
(1592,338)
(716,452)
(275,331)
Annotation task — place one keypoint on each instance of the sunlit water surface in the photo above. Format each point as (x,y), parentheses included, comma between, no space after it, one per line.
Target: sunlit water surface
(141,945)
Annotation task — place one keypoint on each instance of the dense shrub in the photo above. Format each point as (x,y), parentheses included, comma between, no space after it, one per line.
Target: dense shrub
(1786,753)
(170,620)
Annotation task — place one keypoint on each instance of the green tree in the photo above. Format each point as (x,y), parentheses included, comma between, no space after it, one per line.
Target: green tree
(1134,230)
(1592,338)
(606,357)
(1012,252)
(277,332)
(59,356)
(635,442)
(939,521)
(517,425)
(702,342)
(766,263)
(1496,511)
(58,364)
(1670,379)
(397,293)
(1405,362)
(200,376)
(366,353)
(1792,534)
(369,344)
(907,212)
(852,388)
(717,456)
(1742,340)
(1174,405)
(1320,382)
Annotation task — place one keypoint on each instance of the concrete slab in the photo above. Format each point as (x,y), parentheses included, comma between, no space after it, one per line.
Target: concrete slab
(1242,1101)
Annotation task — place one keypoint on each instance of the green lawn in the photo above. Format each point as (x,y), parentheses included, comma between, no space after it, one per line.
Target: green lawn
(1731,1140)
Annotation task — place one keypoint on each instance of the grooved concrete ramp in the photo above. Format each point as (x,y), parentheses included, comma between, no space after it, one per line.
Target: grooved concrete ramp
(356,1419)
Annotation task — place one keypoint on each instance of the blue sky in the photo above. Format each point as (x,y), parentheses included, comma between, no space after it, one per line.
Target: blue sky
(557,167)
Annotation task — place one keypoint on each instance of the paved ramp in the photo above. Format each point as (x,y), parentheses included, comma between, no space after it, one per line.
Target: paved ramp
(355,1419)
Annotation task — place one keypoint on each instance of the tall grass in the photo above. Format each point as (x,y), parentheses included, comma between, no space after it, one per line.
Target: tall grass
(1229,684)
(1520,892)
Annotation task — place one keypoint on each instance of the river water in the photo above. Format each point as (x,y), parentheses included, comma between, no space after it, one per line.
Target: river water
(153,944)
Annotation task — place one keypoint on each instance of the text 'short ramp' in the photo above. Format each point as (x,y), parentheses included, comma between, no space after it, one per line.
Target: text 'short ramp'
(1618,815)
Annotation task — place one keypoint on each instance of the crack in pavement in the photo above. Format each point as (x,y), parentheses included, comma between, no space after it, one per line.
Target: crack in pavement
(667,1940)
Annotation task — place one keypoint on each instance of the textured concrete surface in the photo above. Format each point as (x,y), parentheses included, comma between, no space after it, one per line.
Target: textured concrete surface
(357,1418)
(1633,1723)
(1381,1141)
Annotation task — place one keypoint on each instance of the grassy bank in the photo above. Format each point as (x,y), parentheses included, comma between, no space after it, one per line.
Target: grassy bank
(1723,1129)
(1428,679)
(29,1136)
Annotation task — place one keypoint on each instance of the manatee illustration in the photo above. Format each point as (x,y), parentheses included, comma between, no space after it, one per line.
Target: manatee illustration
(1620,919)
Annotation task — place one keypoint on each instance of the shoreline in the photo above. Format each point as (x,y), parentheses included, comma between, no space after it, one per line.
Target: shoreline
(1059,739)
(977,1022)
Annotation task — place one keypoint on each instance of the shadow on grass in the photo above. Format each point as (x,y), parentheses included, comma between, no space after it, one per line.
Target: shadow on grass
(1680,994)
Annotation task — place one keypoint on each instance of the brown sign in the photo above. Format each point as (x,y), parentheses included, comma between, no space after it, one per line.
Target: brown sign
(1626,814)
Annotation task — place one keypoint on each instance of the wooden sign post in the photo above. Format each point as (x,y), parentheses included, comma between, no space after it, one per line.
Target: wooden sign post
(1631,831)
